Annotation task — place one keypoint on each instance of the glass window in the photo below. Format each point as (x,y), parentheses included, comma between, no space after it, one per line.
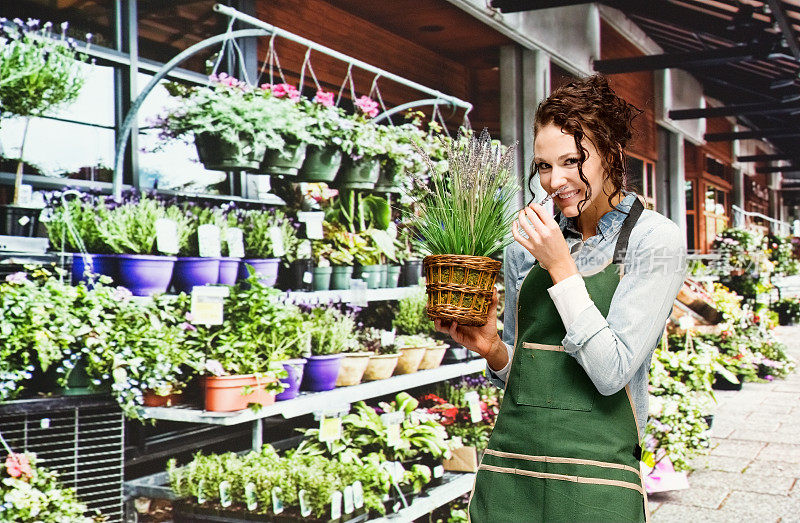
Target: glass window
(651,183)
(688,189)
(634,170)
(690,232)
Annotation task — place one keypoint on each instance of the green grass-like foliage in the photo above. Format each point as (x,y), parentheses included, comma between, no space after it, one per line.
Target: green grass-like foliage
(467,208)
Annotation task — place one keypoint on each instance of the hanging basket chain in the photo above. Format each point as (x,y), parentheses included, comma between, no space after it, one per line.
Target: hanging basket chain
(438,112)
(348,76)
(239,53)
(307,64)
(377,92)
(218,61)
(313,75)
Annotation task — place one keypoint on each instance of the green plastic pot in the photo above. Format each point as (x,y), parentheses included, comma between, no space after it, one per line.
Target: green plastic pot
(217,154)
(390,178)
(393,276)
(321,164)
(340,277)
(384,276)
(359,174)
(371,274)
(322,278)
(286,161)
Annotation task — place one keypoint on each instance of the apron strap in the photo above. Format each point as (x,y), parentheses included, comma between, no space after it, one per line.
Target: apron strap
(625,232)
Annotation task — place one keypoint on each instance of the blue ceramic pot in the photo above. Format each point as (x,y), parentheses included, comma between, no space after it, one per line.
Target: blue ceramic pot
(144,275)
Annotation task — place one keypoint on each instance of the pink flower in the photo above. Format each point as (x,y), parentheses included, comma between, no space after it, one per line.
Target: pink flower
(367,105)
(17,278)
(18,465)
(281,90)
(187,326)
(324,98)
(227,80)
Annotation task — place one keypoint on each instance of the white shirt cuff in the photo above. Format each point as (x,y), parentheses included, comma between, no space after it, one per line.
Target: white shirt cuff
(571,298)
(503,373)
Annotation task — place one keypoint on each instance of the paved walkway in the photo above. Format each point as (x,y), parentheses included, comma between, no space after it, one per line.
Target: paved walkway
(753,471)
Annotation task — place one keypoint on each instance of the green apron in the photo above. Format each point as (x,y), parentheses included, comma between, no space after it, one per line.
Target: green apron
(560,451)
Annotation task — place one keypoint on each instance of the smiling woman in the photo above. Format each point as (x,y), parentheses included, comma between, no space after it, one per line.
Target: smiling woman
(587,297)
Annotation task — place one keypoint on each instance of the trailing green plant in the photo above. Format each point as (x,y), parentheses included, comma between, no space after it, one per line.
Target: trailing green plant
(411,317)
(468,208)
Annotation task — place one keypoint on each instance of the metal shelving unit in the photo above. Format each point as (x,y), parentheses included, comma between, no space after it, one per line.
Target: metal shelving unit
(455,484)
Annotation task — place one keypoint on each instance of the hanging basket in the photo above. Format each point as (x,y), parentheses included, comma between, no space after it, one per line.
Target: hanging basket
(460,287)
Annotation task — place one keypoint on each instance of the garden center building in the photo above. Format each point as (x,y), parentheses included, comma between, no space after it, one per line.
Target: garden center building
(717,82)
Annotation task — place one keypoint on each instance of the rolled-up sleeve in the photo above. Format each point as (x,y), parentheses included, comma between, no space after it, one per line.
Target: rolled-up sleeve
(611,349)
(511,274)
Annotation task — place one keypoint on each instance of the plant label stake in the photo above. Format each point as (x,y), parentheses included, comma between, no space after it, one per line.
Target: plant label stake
(438,471)
(277,503)
(25,195)
(225,494)
(473,402)
(250,496)
(330,429)
(208,241)
(358,494)
(167,236)
(305,507)
(235,240)
(201,495)
(392,421)
(276,238)
(313,221)
(348,500)
(358,288)
(207,304)
(336,505)
(387,338)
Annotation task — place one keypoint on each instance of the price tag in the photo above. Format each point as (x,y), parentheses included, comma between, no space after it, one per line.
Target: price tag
(313,221)
(330,429)
(336,505)
(250,496)
(167,236)
(387,338)
(276,238)
(208,241)
(225,494)
(358,288)
(201,496)
(308,277)
(277,503)
(358,494)
(392,421)
(207,305)
(235,240)
(305,506)
(349,503)
(474,404)
(25,197)
(438,471)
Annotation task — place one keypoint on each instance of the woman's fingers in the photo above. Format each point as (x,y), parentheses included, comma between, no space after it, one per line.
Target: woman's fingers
(522,221)
(534,218)
(545,217)
(518,236)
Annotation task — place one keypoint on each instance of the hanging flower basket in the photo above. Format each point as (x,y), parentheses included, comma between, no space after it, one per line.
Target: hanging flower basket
(391,175)
(359,174)
(321,164)
(460,287)
(286,161)
(219,154)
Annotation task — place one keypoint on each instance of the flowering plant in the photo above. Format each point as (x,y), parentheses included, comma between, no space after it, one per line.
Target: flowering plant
(332,331)
(780,251)
(84,214)
(290,118)
(29,492)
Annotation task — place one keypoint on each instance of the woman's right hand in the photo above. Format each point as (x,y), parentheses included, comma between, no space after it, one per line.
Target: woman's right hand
(483,340)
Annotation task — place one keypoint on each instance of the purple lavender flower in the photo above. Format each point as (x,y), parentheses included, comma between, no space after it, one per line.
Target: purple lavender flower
(17,278)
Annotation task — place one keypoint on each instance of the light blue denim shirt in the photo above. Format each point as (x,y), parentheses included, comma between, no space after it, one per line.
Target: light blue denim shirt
(615,350)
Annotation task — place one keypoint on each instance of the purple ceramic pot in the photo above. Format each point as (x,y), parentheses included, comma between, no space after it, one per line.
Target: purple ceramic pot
(294,369)
(266,269)
(191,271)
(85,264)
(321,372)
(107,265)
(144,275)
(228,270)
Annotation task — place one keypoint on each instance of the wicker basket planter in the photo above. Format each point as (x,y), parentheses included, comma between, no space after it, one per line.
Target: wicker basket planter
(460,287)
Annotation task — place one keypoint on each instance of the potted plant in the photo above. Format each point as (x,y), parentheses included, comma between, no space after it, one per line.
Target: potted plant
(291,119)
(342,244)
(411,263)
(130,232)
(91,255)
(332,333)
(363,147)
(384,356)
(330,126)
(354,362)
(460,222)
(31,492)
(194,267)
(412,351)
(38,74)
(261,243)
(230,123)
(411,317)
(401,155)
(322,270)
(295,271)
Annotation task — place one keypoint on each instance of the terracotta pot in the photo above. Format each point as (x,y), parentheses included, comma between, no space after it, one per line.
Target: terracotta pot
(381,366)
(151,399)
(227,393)
(433,357)
(352,369)
(410,358)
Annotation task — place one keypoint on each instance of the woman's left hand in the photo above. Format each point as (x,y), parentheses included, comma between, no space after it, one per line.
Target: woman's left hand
(545,241)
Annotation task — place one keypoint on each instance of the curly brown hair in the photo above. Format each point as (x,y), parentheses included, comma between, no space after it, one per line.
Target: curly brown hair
(589,107)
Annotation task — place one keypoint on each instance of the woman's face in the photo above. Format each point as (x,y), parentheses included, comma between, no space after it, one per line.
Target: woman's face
(557,159)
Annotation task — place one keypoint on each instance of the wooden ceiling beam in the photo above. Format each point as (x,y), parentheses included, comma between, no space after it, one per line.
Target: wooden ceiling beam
(516,6)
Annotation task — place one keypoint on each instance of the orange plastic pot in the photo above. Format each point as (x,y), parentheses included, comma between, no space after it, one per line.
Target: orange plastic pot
(229,393)
(151,399)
